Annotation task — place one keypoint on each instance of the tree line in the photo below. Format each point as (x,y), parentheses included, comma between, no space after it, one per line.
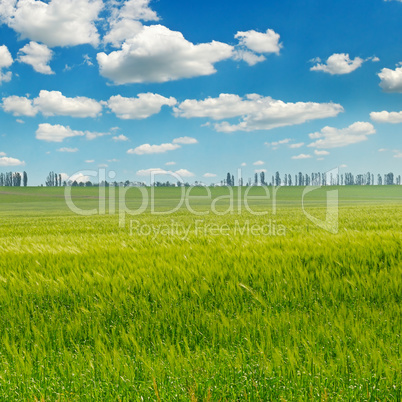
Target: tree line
(13,179)
(316,179)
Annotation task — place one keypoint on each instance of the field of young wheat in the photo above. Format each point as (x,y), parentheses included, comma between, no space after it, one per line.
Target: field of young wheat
(186,306)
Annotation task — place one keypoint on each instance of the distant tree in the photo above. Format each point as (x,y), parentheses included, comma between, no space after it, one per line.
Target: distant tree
(75,184)
(228,179)
(379,180)
(88,184)
(233,181)
(277,179)
(262,178)
(25,179)
(256,179)
(1,179)
(50,180)
(289,180)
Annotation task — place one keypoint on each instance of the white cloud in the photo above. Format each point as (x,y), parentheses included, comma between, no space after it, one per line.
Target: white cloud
(243,164)
(120,137)
(2,154)
(38,56)
(398,154)
(91,135)
(78,177)
(259,42)
(58,133)
(148,172)
(7,161)
(386,117)
(157,54)
(275,145)
(259,163)
(54,23)
(330,137)
(184,173)
(122,29)
(145,105)
(339,63)
(19,106)
(382,150)
(68,150)
(302,156)
(185,140)
(52,103)
(321,153)
(249,57)
(209,175)
(124,21)
(391,80)
(90,161)
(257,112)
(6,61)
(297,145)
(114,160)
(260,171)
(147,149)
(170,163)
(343,166)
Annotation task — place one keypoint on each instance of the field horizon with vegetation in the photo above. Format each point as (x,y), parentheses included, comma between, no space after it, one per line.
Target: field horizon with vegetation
(187,306)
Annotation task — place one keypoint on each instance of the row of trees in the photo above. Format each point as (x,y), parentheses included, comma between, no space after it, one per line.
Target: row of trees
(317,179)
(13,179)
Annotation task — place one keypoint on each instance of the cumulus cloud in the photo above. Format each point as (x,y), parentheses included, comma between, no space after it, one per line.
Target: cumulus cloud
(69,150)
(386,117)
(184,173)
(148,172)
(6,61)
(125,20)
(52,103)
(330,137)
(259,42)
(7,161)
(36,55)
(391,80)
(120,137)
(58,133)
(141,107)
(19,106)
(252,42)
(147,149)
(259,163)
(257,112)
(54,23)
(157,54)
(209,175)
(321,153)
(297,145)
(78,177)
(170,163)
(339,63)
(302,156)
(185,140)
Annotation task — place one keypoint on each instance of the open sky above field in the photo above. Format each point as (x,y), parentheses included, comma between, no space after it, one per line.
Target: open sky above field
(200,88)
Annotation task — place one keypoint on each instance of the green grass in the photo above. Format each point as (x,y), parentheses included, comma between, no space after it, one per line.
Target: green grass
(90,311)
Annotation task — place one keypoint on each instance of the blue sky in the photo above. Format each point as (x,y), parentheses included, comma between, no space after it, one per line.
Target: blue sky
(200,88)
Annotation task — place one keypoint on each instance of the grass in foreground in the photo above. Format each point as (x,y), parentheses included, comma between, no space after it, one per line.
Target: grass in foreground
(90,311)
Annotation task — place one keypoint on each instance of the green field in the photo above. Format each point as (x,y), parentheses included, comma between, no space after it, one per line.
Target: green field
(189,307)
